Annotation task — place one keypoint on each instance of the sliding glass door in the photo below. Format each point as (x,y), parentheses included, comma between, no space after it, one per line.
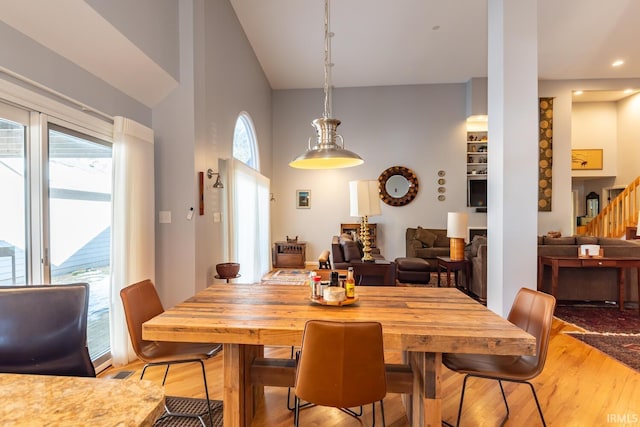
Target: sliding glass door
(55,211)
(79,205)
(13,202)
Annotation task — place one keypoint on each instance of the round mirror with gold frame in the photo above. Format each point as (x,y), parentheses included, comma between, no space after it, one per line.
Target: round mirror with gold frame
(398,186)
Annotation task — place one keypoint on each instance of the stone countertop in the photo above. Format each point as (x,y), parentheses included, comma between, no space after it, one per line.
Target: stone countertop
(43,400)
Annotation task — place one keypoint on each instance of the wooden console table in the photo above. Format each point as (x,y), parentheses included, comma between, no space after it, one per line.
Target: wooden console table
(619,263)
(289,255)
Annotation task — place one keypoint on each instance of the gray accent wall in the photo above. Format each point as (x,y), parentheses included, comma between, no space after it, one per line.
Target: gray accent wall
(24,56)
(419,127)
(152,25)
(220,78)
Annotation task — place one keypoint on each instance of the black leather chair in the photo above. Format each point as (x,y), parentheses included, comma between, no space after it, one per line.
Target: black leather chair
(43,330)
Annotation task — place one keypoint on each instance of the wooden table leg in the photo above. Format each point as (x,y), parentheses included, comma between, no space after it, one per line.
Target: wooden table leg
(638,280)
(540,273)
(239,397)
(448,277)
(467,266)
(554,277)
(621,288)
(426,404)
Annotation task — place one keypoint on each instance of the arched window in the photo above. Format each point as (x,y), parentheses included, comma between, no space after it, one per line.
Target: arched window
(245,147)
(249,204)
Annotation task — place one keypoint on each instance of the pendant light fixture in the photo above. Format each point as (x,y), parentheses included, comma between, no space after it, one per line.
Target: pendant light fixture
(326,153)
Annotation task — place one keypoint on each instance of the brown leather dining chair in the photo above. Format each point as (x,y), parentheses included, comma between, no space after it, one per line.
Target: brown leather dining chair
(141,303)
(43,330)
(341,364)
(531,311)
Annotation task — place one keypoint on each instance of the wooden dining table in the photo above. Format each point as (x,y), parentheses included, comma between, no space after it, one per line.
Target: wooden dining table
(421,322)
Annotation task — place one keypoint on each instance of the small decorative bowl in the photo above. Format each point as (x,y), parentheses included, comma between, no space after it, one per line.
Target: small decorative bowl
(228,269)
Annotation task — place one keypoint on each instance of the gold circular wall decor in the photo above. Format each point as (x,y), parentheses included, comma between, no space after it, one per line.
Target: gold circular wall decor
(397,186)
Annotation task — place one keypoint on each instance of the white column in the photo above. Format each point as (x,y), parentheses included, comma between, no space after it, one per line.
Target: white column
(513,135)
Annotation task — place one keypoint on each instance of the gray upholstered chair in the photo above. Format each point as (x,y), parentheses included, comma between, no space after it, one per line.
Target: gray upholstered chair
(43,330)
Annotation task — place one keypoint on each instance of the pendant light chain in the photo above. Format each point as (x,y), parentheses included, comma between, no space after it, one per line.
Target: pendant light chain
(327,63)
(326,153)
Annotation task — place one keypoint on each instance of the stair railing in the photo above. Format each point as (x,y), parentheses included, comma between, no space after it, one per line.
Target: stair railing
(620,213)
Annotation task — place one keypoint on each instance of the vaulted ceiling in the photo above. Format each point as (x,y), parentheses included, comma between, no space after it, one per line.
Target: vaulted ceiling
(377,42)
(384,42)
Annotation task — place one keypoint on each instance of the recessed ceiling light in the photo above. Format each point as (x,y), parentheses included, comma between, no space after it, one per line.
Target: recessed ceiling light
(617,63)
(577,92)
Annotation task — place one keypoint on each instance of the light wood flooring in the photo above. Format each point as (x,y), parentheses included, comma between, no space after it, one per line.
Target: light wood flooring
(579,386)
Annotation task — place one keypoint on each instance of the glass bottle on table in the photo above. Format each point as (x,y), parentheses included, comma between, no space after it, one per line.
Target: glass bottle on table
(350,284)
(317,287)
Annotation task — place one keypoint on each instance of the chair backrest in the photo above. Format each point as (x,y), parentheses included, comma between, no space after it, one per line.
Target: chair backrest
(141,303)
(533,312)
(43,330)
(341,364)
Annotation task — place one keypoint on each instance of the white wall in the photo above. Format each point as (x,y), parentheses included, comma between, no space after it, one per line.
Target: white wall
(560,217)
(594,125)
(628,135)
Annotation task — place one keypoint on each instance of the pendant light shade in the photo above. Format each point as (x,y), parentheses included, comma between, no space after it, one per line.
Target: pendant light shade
(326,153)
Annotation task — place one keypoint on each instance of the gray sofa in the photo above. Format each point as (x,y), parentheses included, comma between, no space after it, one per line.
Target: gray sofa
(428,244)
(574,284)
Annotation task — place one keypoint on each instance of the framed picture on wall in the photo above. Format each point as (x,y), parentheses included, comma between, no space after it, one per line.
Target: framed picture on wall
(586,159)
(303,199)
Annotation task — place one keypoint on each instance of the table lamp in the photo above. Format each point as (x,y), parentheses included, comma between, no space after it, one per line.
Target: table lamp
(364,202)
(638,227)
(456,232)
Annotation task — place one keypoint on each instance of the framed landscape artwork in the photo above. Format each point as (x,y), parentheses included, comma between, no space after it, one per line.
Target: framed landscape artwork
(303,199)
(586,159)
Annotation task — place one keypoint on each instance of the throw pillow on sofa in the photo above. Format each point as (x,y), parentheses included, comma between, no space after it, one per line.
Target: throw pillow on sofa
(426,237)
(350,249)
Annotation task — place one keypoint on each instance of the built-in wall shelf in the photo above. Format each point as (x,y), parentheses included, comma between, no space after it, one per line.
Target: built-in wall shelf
(477,168)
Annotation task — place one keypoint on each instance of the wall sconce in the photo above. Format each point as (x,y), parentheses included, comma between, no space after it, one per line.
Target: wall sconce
(218,183)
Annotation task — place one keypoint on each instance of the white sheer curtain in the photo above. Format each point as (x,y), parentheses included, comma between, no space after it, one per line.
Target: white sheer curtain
(133,235)
(250,220)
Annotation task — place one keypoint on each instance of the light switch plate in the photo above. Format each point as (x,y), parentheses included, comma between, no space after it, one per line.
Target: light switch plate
(164,217)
